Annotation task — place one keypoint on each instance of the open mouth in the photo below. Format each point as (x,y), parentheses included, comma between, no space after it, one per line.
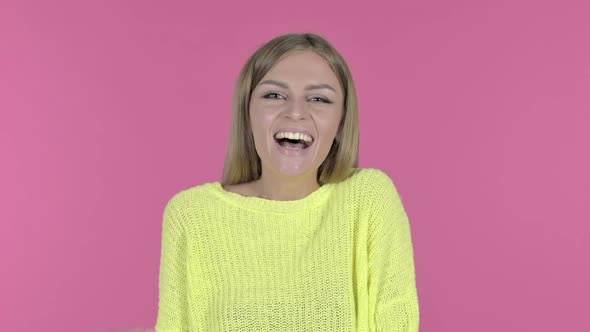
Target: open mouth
(293,143)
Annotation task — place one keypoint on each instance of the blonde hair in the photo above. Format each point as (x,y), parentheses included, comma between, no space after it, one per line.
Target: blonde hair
(242,163)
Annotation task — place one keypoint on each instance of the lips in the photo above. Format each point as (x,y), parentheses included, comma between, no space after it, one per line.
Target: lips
(296,130)
(307,145)
(293,152)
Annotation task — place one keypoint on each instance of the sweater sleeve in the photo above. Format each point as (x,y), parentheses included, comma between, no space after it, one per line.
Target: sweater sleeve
(172,306)
(393,297)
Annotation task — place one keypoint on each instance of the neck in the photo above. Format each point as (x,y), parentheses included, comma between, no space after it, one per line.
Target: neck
(281,188)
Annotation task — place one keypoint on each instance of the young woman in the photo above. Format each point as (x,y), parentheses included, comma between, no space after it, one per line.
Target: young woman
(295,237)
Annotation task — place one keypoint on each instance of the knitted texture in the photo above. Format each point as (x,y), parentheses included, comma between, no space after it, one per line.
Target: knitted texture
(339,259)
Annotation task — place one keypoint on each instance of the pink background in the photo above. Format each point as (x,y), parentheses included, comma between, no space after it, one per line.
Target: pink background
(479,111)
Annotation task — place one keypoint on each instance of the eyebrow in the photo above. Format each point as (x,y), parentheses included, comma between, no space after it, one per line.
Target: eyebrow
(309,87)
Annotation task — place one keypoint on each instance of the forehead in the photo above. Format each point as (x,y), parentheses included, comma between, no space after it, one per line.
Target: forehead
(299,68)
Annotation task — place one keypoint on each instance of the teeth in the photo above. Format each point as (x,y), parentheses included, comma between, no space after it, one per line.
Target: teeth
(289,135)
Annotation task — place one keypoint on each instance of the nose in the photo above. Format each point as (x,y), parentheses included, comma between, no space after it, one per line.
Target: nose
(296,109)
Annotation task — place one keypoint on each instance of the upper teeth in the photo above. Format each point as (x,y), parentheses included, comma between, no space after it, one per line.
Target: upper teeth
(290,135)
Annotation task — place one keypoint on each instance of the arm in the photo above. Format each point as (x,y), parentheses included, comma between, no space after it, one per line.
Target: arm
(393,297)
(172,306)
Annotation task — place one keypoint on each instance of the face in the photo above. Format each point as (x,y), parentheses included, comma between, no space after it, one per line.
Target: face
(301,91)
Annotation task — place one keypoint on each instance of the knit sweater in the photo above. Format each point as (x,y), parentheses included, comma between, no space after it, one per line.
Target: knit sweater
(339,259)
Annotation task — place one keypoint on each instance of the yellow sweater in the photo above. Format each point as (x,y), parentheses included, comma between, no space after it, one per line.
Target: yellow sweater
(340,259)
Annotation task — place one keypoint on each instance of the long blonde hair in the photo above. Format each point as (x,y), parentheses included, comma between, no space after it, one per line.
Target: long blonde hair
(242,163)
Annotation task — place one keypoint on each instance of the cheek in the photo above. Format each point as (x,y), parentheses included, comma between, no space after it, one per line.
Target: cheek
(329,124)
(261,122)
(264,116)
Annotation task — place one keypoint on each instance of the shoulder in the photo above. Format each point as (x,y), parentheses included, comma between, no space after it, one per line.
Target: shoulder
(187,201)
(243,189)
(372,180)
(376,187)
(373,174)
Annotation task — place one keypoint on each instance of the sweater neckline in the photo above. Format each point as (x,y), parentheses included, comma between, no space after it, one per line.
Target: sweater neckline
(312,200)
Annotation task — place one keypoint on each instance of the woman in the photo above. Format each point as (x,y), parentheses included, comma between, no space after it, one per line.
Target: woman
(295,237)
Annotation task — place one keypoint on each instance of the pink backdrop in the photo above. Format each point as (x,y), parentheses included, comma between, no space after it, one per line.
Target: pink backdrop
(479,110)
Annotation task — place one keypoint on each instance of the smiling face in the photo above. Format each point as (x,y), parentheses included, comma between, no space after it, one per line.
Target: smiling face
(300,92)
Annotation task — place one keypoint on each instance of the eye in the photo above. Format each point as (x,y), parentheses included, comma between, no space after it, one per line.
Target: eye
(274,95)
(323,100)
(266,96)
